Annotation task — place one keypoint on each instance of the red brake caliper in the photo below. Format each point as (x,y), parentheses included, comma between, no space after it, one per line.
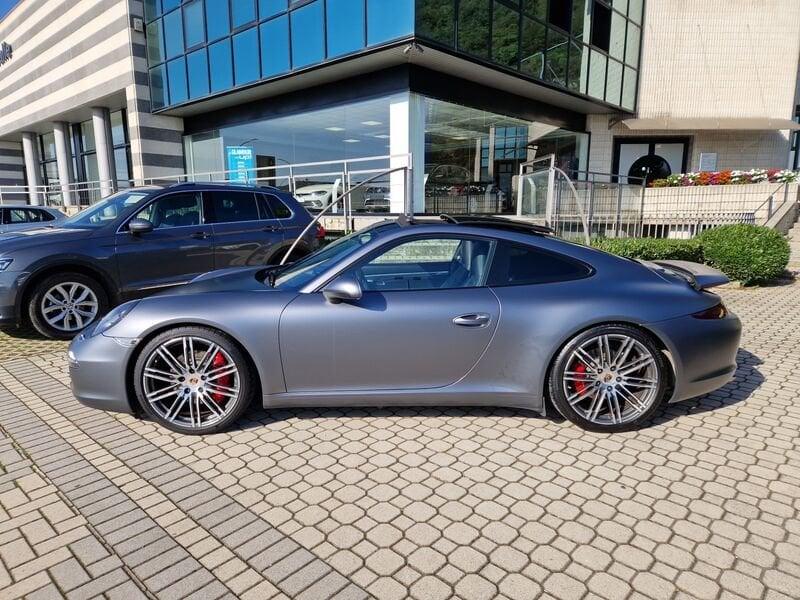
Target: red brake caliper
(580,386)
(225,380)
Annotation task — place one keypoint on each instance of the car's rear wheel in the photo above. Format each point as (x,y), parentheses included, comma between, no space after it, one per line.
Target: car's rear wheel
(609,378)
(193,380)
(62,305)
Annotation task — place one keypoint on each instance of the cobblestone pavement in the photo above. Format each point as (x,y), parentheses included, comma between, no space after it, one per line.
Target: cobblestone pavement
(422,503)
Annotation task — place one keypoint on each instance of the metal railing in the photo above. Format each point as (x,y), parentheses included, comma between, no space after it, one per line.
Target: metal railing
(607,205)
(326,179)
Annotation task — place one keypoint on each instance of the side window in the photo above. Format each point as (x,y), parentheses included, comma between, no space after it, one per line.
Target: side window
(233,207)
(174,210)
(19,215)
(278,209)
(516,264)
(45,216)
(428,264)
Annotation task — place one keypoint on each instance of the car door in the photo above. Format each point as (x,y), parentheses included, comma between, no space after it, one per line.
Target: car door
(424,320)
(180,246)
(244,233)
(3,220)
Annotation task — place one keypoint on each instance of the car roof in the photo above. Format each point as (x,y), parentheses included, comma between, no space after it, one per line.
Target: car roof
(211,185)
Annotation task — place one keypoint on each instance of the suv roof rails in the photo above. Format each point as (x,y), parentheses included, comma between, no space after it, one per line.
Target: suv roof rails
(498,223)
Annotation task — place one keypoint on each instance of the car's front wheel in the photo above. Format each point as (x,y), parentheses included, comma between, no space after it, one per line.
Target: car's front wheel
(193,380)
(609,378)
(63,304)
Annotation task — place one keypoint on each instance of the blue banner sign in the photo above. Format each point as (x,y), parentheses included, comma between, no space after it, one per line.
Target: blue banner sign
(241,163)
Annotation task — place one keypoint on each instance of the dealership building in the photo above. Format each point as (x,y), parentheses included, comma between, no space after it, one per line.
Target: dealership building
(99,94)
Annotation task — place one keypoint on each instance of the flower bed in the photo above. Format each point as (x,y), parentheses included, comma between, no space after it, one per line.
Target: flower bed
(707,178)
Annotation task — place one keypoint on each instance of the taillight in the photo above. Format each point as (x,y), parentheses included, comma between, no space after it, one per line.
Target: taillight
(715,312)
(321,233)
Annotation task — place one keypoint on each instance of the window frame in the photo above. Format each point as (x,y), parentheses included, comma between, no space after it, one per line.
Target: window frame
(123,228)
(391,244)
(587,268)
(271,212)
(210,210)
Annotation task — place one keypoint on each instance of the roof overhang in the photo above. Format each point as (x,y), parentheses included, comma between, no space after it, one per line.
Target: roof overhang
(711,124)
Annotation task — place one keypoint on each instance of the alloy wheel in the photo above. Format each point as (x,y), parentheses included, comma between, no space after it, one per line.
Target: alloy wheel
(69,306)
(611,379)
(191,382)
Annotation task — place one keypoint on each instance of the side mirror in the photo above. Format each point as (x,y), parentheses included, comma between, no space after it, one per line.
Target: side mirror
(342,289)
(139,226)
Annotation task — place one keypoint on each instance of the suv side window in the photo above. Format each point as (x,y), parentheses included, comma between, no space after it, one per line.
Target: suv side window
(173,210)
(21,215)
(44,216)
(517,264)
(233,206)
(276,207)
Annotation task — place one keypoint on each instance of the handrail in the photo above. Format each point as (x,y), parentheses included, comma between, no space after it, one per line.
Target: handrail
(335,201)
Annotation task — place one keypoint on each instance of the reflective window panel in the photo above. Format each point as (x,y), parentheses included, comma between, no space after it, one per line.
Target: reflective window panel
(173,34)
(220,63)
(246,66)
(269,8)
(275,47)
(389,19)
(194,23)
(308,34)
(197,68)
(345,26)
(176,74)
(243,12)
(218,19)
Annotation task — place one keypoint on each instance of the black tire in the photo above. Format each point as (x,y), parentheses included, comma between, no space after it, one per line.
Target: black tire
(233,408)
(36,305)
(576,413)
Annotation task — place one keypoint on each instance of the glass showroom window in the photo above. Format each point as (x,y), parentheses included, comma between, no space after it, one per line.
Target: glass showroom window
(47,154)
(472,157)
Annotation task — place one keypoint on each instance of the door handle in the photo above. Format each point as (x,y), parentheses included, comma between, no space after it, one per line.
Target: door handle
(271,228)
(473,320)
(200,235)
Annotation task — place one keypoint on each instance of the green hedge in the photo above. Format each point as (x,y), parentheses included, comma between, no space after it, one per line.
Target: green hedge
(746,253)
(652,248)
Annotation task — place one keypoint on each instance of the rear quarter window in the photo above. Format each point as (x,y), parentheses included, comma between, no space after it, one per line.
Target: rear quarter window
(517,264)
(275,207)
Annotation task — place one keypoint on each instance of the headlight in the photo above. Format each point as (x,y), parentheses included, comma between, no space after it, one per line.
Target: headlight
(5,263)
(114,317)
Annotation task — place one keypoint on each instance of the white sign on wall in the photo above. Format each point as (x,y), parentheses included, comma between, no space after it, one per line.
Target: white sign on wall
(708,161)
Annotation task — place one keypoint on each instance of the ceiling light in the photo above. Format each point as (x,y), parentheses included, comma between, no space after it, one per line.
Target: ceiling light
(371,123)
(335,128)
(381,136)
(351,141)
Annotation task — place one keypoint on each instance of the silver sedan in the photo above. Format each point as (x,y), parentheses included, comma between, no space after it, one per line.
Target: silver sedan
(456,312)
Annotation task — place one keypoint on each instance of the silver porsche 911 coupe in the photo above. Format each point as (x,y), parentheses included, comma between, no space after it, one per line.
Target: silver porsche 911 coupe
(457,311)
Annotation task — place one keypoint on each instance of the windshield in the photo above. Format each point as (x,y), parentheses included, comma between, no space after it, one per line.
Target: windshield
(300,273)
(106,211)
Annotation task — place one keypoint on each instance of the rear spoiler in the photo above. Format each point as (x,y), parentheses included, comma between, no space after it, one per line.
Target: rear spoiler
(700,277)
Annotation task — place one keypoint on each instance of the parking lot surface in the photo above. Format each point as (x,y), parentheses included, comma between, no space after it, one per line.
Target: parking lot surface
(420,503)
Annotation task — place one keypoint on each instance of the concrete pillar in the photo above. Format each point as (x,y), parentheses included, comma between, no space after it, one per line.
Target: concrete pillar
(30,153)
(407,136)
(64,161)
(101,120)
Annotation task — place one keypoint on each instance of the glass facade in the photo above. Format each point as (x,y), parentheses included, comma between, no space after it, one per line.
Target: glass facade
(471,157)
(589,47)
(200,47)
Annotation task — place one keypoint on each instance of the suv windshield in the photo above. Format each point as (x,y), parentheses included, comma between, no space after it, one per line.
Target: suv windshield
(106,211)
(298,274)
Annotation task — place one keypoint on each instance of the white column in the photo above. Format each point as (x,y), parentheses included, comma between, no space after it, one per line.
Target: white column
(63,160)
(407,136)
(30,153)
(101,120)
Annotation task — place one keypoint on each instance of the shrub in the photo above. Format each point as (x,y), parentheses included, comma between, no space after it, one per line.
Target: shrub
(652,248)
(747,253)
